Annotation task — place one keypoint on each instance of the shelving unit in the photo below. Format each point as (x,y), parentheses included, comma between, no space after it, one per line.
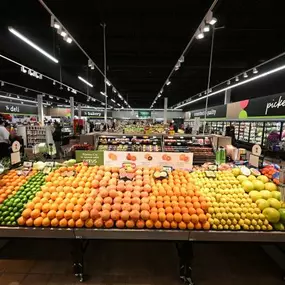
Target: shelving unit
(200,146)
(152,143)
(35,135)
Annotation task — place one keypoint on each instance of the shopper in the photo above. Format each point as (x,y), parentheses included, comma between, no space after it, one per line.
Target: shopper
(230,132)
(57,137)
(4,141)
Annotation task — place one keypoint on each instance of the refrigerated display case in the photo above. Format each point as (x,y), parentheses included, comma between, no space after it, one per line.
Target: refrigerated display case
(120,142)
(256,132)
(200,146)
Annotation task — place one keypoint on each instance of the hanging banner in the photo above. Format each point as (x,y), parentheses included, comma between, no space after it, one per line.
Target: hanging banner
(269,106)
(144,114)
(171,159)
(212,112)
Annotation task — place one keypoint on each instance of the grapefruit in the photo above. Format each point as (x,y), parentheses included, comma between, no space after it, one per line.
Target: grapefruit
(247,186)
(276,195)
(274,203)
(271,214)
(255,195)
(258,185)
(270,186)
(263,178)
(266,194)
(241,178)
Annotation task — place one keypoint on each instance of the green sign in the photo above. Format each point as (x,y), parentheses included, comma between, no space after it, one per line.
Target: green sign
(144,114)
(92,157)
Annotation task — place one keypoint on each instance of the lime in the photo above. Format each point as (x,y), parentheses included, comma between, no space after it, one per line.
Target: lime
(5,214)
(7,219)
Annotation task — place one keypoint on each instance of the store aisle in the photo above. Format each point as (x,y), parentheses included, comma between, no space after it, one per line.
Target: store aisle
(39,262)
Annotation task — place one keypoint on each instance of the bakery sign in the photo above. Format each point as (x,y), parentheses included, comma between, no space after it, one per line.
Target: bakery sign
(94,113)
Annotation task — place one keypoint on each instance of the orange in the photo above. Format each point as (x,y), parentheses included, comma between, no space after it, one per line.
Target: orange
(26,213)
(35,213)
(59,214)
(198,226)
(38,222)
(51,214)
(149,224)
(29,222)
(194,219)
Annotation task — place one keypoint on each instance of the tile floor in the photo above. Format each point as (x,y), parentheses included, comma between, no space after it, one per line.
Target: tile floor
(48,262)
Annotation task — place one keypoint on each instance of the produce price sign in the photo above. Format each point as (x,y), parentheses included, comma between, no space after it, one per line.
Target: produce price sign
(170,159)
(92,157)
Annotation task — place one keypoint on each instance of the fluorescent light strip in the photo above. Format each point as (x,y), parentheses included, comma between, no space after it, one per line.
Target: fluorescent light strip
(26,40)
(85,81)
(235,85)
(18,99)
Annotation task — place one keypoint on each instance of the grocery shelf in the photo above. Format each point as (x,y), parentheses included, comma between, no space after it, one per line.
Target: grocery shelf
(141,234)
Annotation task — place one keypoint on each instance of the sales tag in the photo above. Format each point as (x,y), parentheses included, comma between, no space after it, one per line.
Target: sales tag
(50,163)
(28,164)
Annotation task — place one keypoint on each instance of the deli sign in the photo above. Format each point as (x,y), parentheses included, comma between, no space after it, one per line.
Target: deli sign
(9,108)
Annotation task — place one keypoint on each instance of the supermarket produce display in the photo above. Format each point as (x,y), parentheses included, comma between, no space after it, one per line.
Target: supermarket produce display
(101,197)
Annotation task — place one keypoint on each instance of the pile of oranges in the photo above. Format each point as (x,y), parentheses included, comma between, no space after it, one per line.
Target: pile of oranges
(11,182)
(82,196)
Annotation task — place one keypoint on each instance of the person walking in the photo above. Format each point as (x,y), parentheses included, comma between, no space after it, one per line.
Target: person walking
(4,141)
(57,137)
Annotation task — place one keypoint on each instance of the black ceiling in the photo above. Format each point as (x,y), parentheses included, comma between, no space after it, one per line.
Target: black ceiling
(144,41)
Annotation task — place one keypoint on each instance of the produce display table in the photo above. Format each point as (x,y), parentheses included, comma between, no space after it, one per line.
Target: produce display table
(184,241)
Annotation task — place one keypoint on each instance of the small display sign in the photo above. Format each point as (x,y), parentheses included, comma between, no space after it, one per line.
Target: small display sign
(92,157)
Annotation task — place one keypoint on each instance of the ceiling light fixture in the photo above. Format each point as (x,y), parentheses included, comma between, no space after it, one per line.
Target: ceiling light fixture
(23,69)
(102,93)
(206,29)
(245,75)
(282,67)
(69,40)
(237,79)
(63,33)
(56,25)
(181,59)
(254,71)
(85,81)
(33,45)
(200,35)
(113,100)
(168,82)
(178,64)
(108,83)
(2,83)
(213,21)
(228,82)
